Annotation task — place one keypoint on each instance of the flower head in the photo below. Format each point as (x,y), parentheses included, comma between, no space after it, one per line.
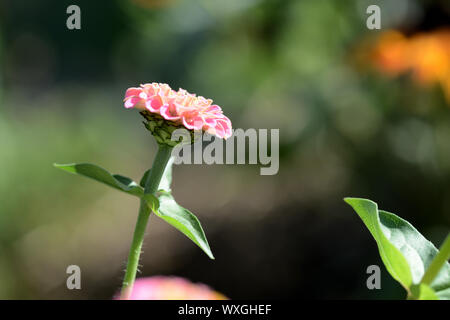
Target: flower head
(181,108)
(172,288)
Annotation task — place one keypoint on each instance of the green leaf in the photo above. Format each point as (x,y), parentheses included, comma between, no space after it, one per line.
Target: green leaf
(95,172)
(144,178)
(166,179)
(183,220)
(404,251)
(422,292)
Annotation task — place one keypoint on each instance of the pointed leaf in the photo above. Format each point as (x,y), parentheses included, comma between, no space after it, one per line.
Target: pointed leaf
(184,220)
(166,179)
(404,251)
(95,172)
(144,178)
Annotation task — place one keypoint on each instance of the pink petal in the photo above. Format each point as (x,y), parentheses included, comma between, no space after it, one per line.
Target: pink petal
(168,112)
(154,104)
(220,131)
(133,102)
(132,92)
(213,108)
(195,123)
(150,89)
(210,122)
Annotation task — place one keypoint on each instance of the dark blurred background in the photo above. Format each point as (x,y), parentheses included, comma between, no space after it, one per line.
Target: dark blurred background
(351,124)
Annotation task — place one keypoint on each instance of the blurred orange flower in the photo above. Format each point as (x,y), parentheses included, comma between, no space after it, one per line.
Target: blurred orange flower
(425,55)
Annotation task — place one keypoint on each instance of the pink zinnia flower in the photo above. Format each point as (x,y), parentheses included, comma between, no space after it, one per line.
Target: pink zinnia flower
(171,288)
(181,107)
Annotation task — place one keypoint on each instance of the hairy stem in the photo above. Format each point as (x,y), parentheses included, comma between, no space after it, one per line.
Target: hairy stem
(151,187)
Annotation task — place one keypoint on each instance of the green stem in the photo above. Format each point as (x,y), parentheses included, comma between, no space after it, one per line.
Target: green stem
(151,187)
(437,263)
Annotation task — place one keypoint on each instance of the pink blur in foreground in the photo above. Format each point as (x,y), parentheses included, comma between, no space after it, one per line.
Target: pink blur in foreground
(171,288)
